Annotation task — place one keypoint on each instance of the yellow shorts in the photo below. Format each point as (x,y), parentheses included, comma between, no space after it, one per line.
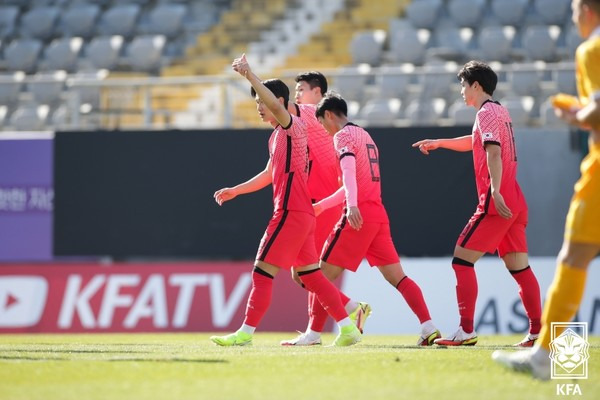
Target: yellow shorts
(583,219)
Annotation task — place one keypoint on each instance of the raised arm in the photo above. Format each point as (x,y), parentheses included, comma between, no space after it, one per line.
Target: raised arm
(282,115)
(462,143)
(261,180)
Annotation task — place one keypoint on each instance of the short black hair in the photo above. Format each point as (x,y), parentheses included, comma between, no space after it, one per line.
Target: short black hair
(314,79)
(478,71)
(279,89)
(332,102)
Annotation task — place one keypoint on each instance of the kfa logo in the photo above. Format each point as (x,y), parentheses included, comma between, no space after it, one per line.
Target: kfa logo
(22,300)
(569,354)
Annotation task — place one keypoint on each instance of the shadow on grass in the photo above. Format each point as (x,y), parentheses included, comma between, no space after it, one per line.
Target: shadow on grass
(139,359)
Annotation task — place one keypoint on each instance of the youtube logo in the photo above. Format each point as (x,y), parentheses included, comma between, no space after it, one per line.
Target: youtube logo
(22,300)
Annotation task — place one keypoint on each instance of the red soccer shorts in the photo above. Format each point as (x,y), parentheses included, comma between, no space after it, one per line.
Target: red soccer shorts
(347,247)
(289,240)
(489,233)
(326,222)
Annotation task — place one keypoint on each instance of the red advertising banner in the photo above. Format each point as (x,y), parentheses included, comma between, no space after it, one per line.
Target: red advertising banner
(140,297)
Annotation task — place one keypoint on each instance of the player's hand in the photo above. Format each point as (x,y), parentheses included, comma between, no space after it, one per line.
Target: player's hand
(241,66)
(318,209)
(354,218)
(501,206)
(225,194)
(570,117)
(426,145)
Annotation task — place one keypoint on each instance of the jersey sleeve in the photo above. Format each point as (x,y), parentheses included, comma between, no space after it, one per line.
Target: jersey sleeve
(489,127)
(344,143)
(296,127)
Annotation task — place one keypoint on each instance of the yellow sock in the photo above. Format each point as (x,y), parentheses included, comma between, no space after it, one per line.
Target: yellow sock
(563,299)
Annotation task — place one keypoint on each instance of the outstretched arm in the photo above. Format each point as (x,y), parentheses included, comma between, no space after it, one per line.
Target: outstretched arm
(462,143)
(282,115)
(261,180)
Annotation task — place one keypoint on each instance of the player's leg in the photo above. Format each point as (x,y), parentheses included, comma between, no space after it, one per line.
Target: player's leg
(256,307)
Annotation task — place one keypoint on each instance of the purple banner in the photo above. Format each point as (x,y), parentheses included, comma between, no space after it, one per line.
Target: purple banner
(26,199)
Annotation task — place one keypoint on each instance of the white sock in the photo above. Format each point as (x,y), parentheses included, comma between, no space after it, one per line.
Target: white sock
(427,328)
(247,329)
(345,322)
(312,334)
(539,355)
(351,306)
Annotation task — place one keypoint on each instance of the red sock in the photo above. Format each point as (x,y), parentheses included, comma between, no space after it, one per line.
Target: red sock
(414,298)
(260,297)
(466,292)
(529,291)
(317,314)
(327,294)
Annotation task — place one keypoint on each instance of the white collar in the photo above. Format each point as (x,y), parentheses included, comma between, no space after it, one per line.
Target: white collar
(595,33)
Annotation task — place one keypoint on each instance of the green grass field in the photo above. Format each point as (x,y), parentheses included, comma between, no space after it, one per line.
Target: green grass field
(188,366)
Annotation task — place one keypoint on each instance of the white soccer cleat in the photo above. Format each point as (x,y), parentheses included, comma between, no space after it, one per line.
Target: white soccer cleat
(528,341)
(523,361)
(303,339)
(459,338)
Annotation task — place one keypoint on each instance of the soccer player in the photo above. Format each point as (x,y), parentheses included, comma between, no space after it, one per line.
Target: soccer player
(501,216)
(582,231)
(363,231)
(323,179)
(289,237)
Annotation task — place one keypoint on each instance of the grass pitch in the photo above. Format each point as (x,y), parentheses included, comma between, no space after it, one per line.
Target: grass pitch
(189,366)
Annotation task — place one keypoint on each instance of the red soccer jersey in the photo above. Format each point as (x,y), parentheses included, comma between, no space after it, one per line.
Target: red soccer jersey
(289,161)
(324,173)
(493,126)
(354,141)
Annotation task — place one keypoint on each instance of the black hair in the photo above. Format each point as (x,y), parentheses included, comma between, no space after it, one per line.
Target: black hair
(314,79)
(279,89)
(477,71)
(332,102)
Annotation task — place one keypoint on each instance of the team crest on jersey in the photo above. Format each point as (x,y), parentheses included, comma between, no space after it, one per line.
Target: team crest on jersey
(487,136)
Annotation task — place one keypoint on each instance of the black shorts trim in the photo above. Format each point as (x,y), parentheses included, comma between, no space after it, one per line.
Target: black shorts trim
(338,232)
(262,272)
(263,255)
(472,230)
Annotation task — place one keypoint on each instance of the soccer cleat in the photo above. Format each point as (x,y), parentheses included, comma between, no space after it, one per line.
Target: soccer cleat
(429,339)
(528,341)
(348,336)
(238,338)
(303,339)
(360,314)
(523,361)
(460,338)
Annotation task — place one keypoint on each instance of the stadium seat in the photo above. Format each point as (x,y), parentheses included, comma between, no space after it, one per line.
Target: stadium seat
(10,87)
(47,88)
(104,52)
(367,47)
(39,22)
(145,52)
(539,42)
(466,13)
(461,114)
(422,112)
(3,115)
(495,43)
(380,112)
(350,82)
(436,80)
(8,20)
(564,76)
(450,43)
(547,115)
(62,54)
(88,96)
(424,14)
(553,12)
(119,20)
(519,109)
(392,81)
(29,117)
(166,19)
(80,20)
(509,12)
(407,45)
(572,40)
(22,54)
(524,80)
